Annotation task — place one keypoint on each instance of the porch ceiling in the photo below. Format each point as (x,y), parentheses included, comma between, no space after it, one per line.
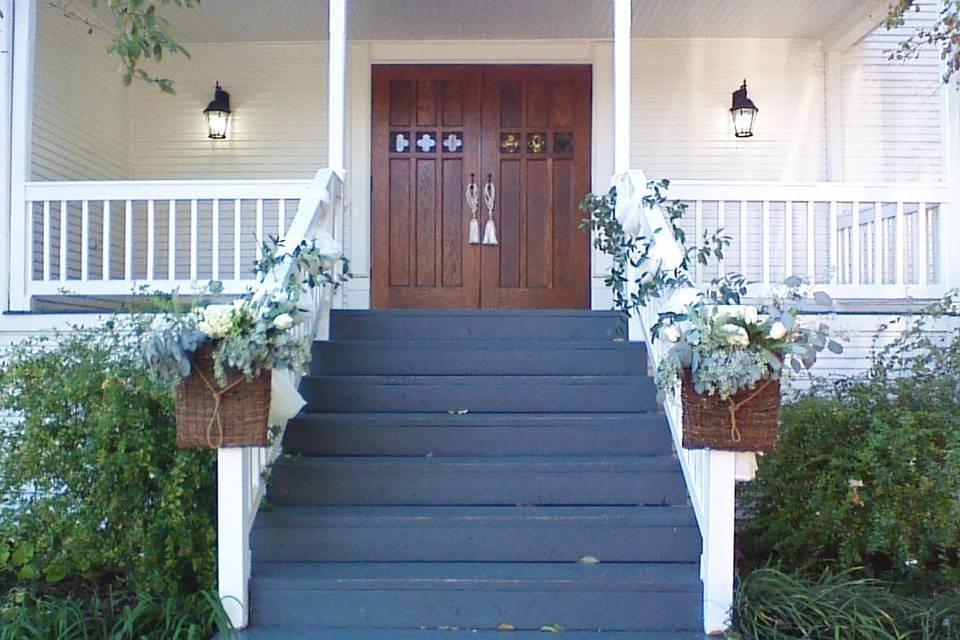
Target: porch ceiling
(244,20)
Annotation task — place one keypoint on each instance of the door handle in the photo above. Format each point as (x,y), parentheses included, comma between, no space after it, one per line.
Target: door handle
(490,200)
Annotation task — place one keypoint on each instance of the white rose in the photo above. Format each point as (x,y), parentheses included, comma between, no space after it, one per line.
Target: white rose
(215,321)
(737,336)
(671,332)
(283,321)
(749,313)
(778,331)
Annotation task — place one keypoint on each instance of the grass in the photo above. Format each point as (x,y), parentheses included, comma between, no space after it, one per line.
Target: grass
(25,616)
(774,605)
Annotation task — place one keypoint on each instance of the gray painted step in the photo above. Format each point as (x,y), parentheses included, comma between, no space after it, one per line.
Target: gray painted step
(436,357)
(477,434)
(472,325)
(649,597)
(476,534)
(315,633)
(497,394)
(478,481)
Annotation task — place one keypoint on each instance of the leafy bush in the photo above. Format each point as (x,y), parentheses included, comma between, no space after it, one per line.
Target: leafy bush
(868,471)
(92,487)
(775,605)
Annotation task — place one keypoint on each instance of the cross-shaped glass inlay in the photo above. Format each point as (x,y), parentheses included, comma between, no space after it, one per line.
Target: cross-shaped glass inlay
(452,142)
(426,143)
(399,142)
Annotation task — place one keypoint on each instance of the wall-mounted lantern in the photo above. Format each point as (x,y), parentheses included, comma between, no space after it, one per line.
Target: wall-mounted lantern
(744,113)
(218,114)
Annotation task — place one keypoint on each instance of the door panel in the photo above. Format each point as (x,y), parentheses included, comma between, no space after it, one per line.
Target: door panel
(536,146)
(420,219)
(528,129)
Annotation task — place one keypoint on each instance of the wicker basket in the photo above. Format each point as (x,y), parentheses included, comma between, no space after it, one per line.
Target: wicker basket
(236,415)
(746,422)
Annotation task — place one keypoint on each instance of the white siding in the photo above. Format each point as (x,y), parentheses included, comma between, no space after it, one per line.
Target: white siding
(79,108)
(891,111)
(278,94)
(681,99)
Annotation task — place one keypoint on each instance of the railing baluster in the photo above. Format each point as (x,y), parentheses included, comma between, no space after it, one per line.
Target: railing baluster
(85,240)
(743,237)
(107,238)
(923,258)
(215,242)
(128,242)
(151,236)
(900,259)
(259,227)
(721,222)
(64,242)
(282,217)
(811,243)
(46,239)
(236,239)
(698,230)
(788,238)
(855,263)
(879,246)
(194,239)
(833,259)
(766,242)
(172,240)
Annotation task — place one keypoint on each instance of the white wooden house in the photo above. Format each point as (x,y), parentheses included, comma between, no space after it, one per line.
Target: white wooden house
(850,177)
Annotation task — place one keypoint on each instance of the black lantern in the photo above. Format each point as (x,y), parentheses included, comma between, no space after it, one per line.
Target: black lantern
(744,112)
(218,114)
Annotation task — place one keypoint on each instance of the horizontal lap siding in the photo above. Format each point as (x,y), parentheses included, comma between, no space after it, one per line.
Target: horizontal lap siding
(79,108)
(681,125)
(891,110)
(278,95)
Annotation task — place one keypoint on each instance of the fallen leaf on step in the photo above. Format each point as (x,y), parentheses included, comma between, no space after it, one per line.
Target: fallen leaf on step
(552,628)
(506,626)
(588,560)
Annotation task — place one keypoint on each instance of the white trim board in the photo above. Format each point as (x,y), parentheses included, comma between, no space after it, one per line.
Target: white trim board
(363,55)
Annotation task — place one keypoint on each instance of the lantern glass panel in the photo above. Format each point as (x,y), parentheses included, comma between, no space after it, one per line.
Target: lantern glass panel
(217,122)
(743,120)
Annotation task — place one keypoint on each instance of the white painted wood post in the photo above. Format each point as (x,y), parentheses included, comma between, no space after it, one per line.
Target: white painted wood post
(622,19)
(716,562)
(950,214)
(23,18)
(6,124)
(233,545)
(337,61)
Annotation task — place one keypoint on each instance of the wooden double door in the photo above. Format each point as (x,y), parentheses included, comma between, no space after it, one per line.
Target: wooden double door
(523,129)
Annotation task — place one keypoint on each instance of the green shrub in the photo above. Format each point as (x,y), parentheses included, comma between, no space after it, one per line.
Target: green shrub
(775,605)
(868,471)
(92,487)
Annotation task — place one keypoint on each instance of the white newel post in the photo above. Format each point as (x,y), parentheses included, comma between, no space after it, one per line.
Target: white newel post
(950,219)
(23,19)
(622,18)
(716,562)
(6,124)
(337,61)
(233,544)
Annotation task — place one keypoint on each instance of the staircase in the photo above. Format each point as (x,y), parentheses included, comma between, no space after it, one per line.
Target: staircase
(456,471)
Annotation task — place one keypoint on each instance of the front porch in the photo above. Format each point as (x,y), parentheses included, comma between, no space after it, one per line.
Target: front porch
(850,179)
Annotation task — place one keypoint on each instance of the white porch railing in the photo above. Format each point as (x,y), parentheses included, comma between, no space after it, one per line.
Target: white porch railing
(111,237)
(851,240)
(710,475)
(241,472)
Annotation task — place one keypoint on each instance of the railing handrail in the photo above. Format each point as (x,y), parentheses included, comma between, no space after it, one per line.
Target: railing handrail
(242,471)
(165,189)
(781,191)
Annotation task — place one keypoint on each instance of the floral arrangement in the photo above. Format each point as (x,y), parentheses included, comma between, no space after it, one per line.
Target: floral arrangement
(727,349)
(256,331)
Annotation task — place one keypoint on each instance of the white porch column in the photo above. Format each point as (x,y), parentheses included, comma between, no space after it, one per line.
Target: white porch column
(6,124)
(950,219)
(337,61)
(233,543)
(23,20)
(622,18)
(716,562)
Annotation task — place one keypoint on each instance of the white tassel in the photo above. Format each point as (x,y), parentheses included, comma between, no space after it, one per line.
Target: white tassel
(474,231)
(489,199)
(490,233)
